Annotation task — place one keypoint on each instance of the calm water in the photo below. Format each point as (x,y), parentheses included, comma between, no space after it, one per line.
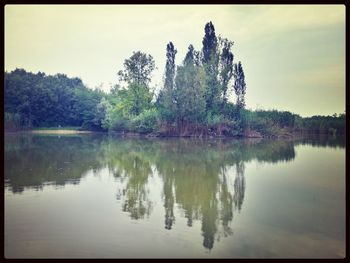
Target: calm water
(100,196)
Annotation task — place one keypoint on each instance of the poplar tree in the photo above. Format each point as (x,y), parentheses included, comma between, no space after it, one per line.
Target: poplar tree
(210,43)
(166,100)
(210,60)
(239,85)
(225,67)
(170,66)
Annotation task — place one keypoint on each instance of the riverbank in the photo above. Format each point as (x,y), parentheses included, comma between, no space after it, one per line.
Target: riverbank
(52,130)
(62,131)
(248,134)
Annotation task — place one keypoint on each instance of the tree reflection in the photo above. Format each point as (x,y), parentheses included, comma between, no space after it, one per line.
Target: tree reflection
(34,161)
(323,140)
(169,202)
(239,186)
(204,178)
(226,200)
(127,160)
(136,201)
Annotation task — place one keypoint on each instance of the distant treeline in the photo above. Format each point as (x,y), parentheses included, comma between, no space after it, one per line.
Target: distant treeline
(39,100)
(194,100)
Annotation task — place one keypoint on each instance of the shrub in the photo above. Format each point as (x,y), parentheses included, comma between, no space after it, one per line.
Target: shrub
(118,121)
(213,120)
(146,121)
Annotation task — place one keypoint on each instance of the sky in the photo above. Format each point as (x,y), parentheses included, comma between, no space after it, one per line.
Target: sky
(293,56)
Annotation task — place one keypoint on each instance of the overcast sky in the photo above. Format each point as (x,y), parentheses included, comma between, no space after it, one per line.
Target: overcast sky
(293,55)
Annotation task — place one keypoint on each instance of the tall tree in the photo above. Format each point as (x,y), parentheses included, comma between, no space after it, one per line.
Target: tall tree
(189,58)
(170,66)
(137,69)
(192,57)
(239,85)
(210,60)
(166,100)
(209,42)
(225,66)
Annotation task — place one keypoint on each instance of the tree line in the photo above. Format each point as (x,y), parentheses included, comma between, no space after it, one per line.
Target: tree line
(39,100)
(194,99)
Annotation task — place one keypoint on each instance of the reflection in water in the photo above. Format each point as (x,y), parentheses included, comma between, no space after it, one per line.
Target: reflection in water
(239,186)
(322,140)
(205,178)
(169,202)
(34,161)
(136,202)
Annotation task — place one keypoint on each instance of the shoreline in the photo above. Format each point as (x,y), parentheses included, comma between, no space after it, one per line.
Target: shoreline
(156,135)
(60,131)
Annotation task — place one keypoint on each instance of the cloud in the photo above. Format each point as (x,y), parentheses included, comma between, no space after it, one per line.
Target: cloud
(272,19)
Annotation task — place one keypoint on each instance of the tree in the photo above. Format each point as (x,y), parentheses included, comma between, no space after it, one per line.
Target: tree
(131,102)
(209,43)
(137,69)
(134,100)
(102,117)
(138,98)
(42,100)
(210,61)
(192,57)
(170,66)
(189,58)
(189,91)
(239,85)
(165,100)
(225,66)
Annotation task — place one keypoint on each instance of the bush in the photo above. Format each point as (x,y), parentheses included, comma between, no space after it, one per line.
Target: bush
(146,121)
(118,122)
(213,120)
(264,125)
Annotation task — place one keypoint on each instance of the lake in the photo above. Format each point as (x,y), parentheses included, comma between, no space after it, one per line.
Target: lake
(99,196)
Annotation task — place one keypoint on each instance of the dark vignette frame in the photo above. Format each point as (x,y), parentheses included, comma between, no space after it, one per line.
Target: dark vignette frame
(151,2)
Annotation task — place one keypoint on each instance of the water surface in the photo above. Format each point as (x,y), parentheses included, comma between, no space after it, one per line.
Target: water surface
(100,196)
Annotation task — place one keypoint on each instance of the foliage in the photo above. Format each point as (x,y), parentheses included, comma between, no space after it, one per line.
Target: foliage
(170,66)
(209,43)
(210,61)
(189,91)
(137,69)
(43,100)
(136,98)
(239,85)
(324,124)
(119,121)
(166,98)
(131,106)
(225,66)
(102,117)
(145,122)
